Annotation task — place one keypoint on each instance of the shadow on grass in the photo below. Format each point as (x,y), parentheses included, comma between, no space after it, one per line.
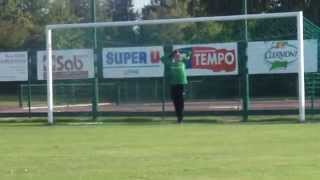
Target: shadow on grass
(134,121)
(151,121)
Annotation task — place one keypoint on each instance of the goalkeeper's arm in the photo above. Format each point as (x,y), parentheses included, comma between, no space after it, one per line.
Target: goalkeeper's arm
(187,56)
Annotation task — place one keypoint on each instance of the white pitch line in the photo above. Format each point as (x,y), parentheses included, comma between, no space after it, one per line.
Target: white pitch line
(64,106)
(224,107)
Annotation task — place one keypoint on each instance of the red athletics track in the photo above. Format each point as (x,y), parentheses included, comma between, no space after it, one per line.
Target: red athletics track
(214,105)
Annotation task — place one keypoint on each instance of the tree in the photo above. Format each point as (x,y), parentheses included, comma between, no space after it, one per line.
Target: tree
(22,22)
(121,10)
(104,10)
(61,11)
(164,34)
(207,32)
(38,11)
(81,9)
(15,26)
(220,8)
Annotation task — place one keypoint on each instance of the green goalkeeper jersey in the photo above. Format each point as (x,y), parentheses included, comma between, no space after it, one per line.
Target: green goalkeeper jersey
(175,71)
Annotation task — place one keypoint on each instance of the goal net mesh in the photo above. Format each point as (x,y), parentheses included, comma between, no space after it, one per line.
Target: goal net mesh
(131,76)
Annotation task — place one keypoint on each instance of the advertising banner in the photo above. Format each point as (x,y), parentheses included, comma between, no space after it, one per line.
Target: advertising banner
(211,59)
(13,66)
(132,62)
(67,64)
(273,57)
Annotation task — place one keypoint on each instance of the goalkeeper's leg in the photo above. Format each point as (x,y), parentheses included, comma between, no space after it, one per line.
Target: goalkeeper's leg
(178,100)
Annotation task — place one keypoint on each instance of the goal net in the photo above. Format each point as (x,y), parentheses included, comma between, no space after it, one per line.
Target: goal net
(238,65)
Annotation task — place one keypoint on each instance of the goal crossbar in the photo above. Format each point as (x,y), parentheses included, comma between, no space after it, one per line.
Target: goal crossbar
(298,15)
(174,21)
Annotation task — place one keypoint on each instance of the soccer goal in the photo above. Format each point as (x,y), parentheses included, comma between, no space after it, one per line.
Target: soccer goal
(224,50)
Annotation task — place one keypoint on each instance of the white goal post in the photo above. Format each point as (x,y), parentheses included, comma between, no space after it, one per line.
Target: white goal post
(297,15)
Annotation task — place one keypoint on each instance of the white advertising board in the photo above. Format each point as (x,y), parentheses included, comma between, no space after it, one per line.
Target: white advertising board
(211,59)
(132,62)
(13,66)
(274,57)
(67,64)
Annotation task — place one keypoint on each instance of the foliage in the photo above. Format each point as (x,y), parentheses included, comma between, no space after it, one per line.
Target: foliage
(15,26)
(60,12)
(22,23)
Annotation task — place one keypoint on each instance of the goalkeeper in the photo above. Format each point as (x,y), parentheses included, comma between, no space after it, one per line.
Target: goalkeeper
(175,72)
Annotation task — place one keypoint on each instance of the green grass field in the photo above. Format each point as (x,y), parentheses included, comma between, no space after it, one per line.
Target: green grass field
(159,151)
